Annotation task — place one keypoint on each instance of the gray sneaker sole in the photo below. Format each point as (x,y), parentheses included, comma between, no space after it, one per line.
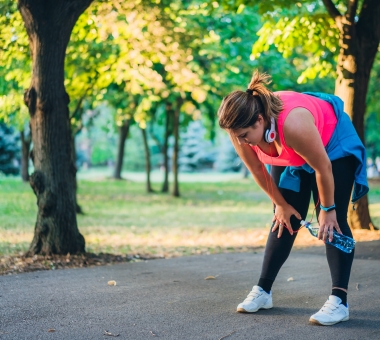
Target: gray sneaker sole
(242,310)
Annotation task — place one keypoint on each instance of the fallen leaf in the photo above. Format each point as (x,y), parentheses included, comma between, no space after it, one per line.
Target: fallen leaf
(290,279)
(210,278)
(112,283)
(51,330)
(226,336)
(152,333)
(357,286)
(110,334)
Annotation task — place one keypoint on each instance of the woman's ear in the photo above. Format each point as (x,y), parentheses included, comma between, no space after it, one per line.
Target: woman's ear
(260,119)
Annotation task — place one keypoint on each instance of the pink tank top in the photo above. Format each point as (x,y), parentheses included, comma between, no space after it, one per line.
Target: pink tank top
(325,121)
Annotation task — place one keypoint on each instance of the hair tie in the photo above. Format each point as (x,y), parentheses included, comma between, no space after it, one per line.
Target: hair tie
(252,92)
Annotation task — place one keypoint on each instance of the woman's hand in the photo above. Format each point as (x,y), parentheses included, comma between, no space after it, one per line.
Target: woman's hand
(281,218)
(327,223)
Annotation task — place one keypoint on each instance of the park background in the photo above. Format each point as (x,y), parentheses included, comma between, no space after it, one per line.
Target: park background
(156,176)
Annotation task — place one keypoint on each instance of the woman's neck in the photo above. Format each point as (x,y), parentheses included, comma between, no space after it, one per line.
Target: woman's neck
(272,149)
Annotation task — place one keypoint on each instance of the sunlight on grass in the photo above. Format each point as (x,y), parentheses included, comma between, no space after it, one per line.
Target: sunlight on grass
(374,210)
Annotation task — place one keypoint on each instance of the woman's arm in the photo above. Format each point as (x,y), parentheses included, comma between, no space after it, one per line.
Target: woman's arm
(265,182)
(302,136)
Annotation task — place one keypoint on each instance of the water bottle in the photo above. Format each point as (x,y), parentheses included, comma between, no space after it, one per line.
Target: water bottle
(342,242)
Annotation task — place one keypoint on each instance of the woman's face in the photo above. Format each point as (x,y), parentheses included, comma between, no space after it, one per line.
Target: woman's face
(252,135)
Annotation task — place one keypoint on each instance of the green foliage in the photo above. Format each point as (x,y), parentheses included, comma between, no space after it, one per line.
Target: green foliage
(372,121)
(15,65)
(299,29)
(313,36)
(137,56)
(215,50)
(87,64)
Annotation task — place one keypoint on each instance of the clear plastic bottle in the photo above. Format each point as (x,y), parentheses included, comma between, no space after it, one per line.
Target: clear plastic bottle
(342,242)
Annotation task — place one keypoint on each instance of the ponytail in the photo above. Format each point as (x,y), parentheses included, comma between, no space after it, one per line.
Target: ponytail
(271,103)
(241,109)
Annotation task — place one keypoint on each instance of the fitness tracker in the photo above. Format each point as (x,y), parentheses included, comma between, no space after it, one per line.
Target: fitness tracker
(327,209)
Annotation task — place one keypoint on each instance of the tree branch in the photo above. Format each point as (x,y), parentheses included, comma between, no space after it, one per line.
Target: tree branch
(43,12)
(331,9)
(78,106)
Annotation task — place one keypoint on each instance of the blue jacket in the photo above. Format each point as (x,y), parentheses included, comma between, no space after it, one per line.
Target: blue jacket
(344,142)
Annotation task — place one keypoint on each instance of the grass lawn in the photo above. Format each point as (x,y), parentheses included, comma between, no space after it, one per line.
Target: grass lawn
(216,212)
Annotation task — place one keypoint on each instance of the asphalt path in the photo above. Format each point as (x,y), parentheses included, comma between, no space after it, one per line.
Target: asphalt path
(170,299)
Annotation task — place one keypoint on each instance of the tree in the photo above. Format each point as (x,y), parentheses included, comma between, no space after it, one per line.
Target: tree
(168,131)
(148,167)
(26,141)
(49,25)
(14,113)
(14,78)
(352,37)
(359,37)
(155,61)
(123,131)
(372,126)
(228,160)
(8,151)
(196,154)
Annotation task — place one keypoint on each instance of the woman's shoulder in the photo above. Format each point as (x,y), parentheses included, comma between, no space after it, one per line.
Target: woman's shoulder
(290,95)
(292,100)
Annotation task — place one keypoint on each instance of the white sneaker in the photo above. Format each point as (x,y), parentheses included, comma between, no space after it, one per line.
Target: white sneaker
(256,299)
(331,313)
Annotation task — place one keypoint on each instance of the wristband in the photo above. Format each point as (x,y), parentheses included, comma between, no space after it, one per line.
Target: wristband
(327,209)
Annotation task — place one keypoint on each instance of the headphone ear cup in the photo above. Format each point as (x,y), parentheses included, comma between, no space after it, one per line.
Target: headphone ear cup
(270,135)
(266,136)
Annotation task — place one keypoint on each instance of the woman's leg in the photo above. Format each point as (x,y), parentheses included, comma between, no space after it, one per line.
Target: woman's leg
(278,249)
(340,262)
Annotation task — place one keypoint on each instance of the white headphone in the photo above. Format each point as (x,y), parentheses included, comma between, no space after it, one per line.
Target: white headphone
(270,135)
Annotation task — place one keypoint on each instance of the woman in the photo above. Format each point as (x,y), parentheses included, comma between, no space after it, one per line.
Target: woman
(312,147)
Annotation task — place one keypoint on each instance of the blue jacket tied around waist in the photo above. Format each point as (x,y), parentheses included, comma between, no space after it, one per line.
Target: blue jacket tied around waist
(344,142)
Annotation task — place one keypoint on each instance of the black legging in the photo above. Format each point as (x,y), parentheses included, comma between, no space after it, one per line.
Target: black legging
(277,249)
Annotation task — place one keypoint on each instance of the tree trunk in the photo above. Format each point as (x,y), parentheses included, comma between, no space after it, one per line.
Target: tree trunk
(357,53)
(123,135)
(25,148)
(147,161)
(169,112)
(49,25)
(176,122)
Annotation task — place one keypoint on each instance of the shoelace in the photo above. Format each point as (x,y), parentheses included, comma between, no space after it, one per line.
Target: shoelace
(329,307)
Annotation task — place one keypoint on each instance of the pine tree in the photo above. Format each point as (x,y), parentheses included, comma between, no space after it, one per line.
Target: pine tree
(197,153)
(228,160)
(9,150)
